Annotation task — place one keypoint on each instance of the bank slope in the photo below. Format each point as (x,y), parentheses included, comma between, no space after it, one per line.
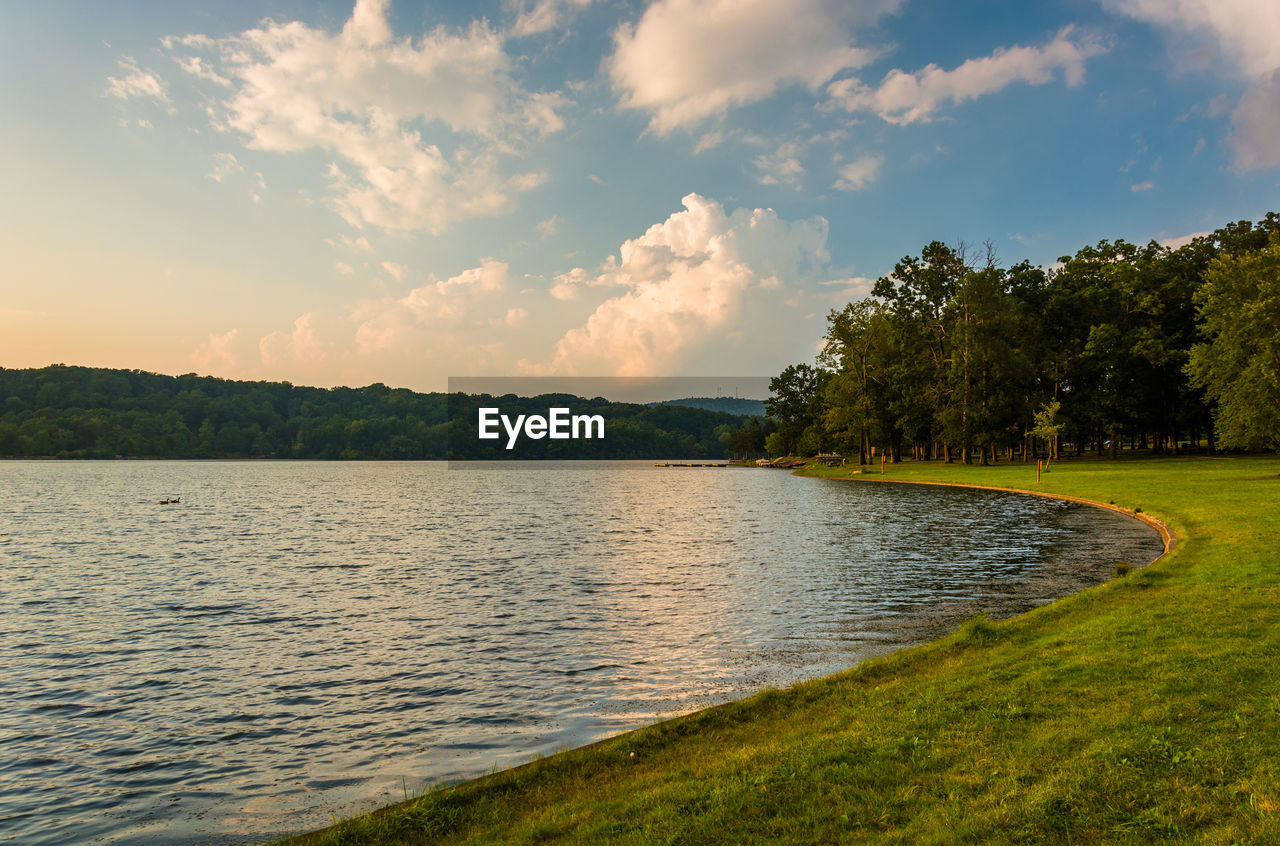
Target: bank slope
(1140,710)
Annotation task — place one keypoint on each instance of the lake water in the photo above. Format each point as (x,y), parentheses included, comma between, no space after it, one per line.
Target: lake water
(295,639)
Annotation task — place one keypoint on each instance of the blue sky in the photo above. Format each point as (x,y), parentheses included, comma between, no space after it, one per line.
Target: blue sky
(343,193)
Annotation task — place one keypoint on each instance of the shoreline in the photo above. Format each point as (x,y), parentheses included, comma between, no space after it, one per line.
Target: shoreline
(1106,670)
(1167,536)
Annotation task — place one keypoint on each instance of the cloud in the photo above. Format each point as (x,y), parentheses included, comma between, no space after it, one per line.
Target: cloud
(134,81)
(684,281)
(300,345)
(904,98)
(420,130)
(1183,240)
(859,173)
(709,141)
(540,113)
(343,268)
(224,164)
(780,167)
(196,66)
(1139,187)
(1255,124)
(359,244)
(1244,35)
(395,270)
(545,15)
(418,319)
(549,227)
(218,354)
(568,285)
(687,60)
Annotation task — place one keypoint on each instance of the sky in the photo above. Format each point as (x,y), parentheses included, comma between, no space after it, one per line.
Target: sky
(403,192)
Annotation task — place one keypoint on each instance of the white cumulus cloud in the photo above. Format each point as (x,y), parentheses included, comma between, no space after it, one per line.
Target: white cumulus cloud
(420,317)
(683,282)
(686,60)
(904,98)
(219,354)
(299,345)
(421,130)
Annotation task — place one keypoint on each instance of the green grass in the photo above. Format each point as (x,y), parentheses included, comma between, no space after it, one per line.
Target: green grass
(1145,709)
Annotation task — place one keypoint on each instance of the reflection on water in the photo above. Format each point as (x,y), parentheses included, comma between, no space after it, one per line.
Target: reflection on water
(297,638)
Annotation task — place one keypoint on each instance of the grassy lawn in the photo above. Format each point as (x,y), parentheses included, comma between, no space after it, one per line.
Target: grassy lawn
(1144,709)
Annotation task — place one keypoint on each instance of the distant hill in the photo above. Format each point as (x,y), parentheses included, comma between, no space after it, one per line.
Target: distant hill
(90,412)
(727,405)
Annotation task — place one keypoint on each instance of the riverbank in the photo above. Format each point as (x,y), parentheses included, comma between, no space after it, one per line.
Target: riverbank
(1139,710)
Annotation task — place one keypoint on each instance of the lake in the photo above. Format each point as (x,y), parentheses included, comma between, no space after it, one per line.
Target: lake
(300,638)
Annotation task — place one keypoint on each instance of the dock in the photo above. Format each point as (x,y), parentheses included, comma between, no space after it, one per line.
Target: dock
(668,464)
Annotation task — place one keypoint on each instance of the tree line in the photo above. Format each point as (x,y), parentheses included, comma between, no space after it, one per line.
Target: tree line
(1120,346)
(83,412)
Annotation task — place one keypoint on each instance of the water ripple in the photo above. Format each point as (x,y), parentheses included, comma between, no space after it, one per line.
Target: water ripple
(300,638)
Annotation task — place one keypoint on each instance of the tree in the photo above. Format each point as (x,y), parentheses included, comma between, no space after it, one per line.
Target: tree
(1239,365)
(856,342)
(795,402)
(1048,425)
(749,438)
(987,374)
(920,291)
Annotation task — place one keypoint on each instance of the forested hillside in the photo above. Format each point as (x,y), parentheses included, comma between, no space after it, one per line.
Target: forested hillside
(729,405)
(83,412)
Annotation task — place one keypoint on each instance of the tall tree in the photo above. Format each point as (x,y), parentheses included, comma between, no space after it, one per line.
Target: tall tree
(918,292)
(1239,366)
(857,341)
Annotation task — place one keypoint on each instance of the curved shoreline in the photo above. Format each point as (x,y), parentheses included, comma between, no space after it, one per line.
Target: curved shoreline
(1040,700)
(1167,536)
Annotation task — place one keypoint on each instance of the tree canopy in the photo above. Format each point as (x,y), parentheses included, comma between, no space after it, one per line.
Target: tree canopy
(1239,364)
(956,356)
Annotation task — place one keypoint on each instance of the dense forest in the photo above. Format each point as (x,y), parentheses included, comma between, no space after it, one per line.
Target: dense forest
(83,412)
(1119,347)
